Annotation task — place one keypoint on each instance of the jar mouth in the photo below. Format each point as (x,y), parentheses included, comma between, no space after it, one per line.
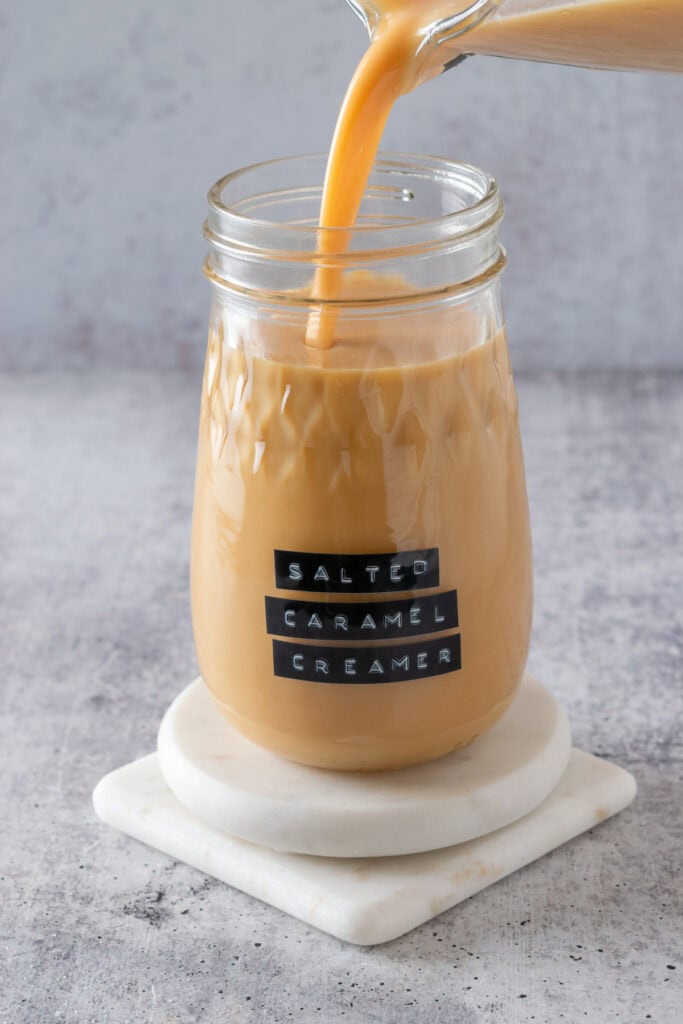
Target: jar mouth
(413,203)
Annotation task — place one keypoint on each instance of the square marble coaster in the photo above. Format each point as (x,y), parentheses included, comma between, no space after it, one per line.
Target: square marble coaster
(370,900)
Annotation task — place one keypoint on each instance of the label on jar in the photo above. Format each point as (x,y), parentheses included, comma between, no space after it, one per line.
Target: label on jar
(391,619)
(390,664)
(357,574)
(379,620)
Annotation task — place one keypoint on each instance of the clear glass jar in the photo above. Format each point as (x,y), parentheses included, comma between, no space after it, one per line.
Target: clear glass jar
(361,559)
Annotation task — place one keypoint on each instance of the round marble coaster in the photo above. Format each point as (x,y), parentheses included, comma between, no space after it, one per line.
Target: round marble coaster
(239,788)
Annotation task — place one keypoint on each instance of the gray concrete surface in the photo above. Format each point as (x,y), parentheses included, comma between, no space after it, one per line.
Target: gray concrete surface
(116,118)
(95,503)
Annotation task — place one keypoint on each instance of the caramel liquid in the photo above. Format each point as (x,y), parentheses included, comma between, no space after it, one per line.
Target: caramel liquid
(368,458)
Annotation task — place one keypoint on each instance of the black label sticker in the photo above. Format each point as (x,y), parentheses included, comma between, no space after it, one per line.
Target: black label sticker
(389,664)
(379,620)
(357,574)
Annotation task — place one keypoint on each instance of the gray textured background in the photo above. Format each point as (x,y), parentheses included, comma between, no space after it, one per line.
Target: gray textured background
(114,120)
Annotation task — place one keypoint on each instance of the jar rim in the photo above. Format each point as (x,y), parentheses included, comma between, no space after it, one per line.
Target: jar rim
(230,225)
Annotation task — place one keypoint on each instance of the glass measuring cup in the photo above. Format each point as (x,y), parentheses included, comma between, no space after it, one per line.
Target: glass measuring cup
(610,34)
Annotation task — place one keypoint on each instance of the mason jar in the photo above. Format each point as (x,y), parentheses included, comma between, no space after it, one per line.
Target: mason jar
(361,558)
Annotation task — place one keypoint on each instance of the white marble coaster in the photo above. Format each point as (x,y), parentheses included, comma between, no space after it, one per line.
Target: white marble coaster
(239,788)
(375,899)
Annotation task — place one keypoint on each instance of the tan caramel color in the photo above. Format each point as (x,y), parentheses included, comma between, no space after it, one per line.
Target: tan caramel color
(352,457)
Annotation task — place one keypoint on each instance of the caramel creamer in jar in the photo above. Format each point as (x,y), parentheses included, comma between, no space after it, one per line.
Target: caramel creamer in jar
(361,563)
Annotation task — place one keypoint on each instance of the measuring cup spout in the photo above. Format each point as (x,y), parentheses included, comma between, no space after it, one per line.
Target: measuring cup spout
(437,47)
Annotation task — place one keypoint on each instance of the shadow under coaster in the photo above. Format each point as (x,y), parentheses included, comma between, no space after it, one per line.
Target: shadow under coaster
(365,857)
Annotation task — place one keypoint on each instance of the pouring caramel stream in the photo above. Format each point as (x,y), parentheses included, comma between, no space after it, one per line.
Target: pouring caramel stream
(596,33)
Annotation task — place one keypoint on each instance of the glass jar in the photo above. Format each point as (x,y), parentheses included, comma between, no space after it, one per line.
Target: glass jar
(361,559)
